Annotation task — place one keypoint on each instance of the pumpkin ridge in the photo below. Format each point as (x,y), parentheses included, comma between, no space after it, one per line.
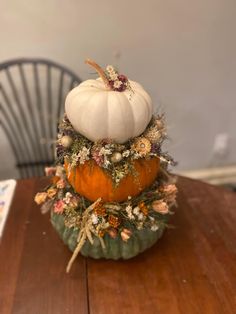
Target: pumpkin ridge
(89,110)
(147,110)
(89,83)
(116,248)
(107,110)
(124,114)
(132,114)
(78,91)
(147,106)
(145,96)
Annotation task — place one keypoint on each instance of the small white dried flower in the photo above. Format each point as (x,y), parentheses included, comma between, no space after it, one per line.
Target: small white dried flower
(154,227)
(110,68)
(136,210)
(117,84)
(83,155)
(126,153)
(140,216)
(113,76)
(74,160)
(128,208)
(94,219)
(131,216)
(137,156)
(67,197)
(140,225)
(104,151)
(106,163)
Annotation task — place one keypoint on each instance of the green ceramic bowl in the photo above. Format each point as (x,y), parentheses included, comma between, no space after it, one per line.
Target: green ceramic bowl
(115,248)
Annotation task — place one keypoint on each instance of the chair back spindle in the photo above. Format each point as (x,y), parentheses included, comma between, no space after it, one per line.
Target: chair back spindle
(32,96)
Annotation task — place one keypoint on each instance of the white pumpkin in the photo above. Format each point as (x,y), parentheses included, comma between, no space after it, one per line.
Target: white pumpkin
(98,112)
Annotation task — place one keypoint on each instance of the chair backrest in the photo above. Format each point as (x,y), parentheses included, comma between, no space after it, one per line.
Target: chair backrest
(32,95)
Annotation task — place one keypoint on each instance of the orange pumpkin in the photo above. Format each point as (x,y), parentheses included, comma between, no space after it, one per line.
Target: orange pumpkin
(93,182)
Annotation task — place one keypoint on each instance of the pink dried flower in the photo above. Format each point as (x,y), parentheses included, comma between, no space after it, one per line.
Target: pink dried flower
(169,189)
(59,207)
(46,206)
(160,207)
(170,192)
(113,233)
(50,171)
(60,171)
(125,234)
(99,159)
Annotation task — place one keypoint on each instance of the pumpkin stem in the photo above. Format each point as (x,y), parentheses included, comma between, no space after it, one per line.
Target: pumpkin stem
(99,71)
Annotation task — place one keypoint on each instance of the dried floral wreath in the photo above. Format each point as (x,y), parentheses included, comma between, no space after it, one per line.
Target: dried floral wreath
(149,210)
(116,159)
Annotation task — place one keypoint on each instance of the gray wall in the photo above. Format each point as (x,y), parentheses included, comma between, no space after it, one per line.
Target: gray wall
(182,51)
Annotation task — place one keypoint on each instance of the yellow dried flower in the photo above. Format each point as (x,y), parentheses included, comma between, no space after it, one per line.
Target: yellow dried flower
(153,135)
(142,146)
(40,197)
(51,192)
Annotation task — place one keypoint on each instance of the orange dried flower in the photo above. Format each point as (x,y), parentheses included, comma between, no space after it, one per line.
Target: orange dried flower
(100,210)
(61,184)
(55,179)
(143,208)
(114,221)
(101,233)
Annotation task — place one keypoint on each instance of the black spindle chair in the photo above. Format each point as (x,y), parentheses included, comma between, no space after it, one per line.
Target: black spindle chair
(32,95)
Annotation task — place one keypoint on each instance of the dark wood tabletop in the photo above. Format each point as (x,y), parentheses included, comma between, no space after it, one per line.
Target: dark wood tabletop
(191,269)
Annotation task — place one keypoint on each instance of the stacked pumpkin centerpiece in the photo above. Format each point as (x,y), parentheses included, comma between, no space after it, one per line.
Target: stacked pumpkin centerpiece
(111,192)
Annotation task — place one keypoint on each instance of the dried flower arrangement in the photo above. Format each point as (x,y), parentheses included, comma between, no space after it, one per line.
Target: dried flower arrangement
(127,207)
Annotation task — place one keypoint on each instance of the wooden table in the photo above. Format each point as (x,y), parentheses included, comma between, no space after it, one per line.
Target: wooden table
(192,269)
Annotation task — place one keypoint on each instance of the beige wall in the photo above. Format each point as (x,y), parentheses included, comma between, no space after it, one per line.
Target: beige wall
(182,51)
